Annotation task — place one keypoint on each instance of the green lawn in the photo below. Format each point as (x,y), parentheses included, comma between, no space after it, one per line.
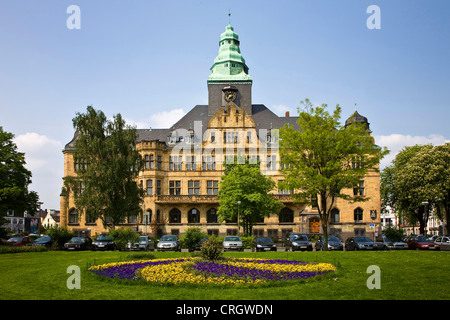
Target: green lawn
(405,275)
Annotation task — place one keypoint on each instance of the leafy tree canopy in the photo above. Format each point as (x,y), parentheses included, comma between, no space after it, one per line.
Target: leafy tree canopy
(108,164)
(323,158)
(14,179)
(246,183)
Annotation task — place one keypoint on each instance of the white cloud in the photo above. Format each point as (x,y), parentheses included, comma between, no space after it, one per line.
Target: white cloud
(396,142)
(45,160)
(163,119)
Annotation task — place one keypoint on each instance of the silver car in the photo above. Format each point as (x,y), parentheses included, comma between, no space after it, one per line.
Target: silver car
(232,243)
(168,243)
(443,242)
(144,243)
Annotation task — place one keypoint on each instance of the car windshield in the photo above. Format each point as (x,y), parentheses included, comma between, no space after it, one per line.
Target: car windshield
(15,240)
(103,237)
(299,237)
(232,239)
(264,240)
(42,239)
(168,238)
(142,238)
(334,239)
(77,240)
(362,239)
(422,239)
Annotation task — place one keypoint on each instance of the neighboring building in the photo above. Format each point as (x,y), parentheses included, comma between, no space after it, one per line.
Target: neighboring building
(184,164)
(18,223)
(51,219)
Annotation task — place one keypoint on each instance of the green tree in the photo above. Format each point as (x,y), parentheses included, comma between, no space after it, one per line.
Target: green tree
(418,182)
(14,180)
(441,179)
(108,165)
(245,183)
(323,158)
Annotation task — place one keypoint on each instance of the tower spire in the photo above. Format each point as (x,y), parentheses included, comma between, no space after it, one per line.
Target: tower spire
(229,16)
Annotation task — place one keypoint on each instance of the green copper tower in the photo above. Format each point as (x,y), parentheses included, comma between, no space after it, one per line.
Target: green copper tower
(229,73)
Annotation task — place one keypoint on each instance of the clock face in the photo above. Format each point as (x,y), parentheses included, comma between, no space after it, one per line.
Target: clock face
(230,96)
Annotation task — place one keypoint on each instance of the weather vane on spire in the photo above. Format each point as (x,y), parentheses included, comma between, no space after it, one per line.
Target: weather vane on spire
(229,15)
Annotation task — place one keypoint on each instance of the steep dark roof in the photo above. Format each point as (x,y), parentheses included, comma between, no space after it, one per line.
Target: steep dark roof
(264,119)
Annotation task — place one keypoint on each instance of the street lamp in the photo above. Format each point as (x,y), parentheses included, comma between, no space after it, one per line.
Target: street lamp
(239,233)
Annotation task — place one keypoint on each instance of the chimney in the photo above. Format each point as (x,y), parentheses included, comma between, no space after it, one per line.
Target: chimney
(287,114)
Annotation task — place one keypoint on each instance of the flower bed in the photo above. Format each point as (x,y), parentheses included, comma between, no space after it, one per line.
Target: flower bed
(197,271)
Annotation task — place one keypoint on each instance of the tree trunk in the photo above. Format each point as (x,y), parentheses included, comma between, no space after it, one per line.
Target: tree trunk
(324,220)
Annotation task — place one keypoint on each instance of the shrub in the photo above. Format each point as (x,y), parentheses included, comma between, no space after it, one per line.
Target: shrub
(192,237)
(121,237)
(20,249)
(247,242)
(211,249)
(140,256)
(59,235)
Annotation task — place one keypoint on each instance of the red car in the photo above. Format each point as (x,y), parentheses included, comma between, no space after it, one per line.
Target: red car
(17,241)
(421,243)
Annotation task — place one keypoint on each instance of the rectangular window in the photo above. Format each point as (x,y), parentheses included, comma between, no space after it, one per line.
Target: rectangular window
(194,187)
(174,187)
(147,162)
(159,162)
(190,163)
(149,187)
(175,163)
(272,162)
(151,162)
(209,163)
(158,187)
(212,187)
(359,189)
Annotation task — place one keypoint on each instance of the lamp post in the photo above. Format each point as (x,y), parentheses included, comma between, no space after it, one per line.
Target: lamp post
(239,233)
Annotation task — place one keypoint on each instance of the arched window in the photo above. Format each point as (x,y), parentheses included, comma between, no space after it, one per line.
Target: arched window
(334,216)
(175,216)
(211,216)
(73,216)
(286,215)
(358,215)
(194,216)
(147,219)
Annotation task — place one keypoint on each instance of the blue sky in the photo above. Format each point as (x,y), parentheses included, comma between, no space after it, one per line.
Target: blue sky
(149,61)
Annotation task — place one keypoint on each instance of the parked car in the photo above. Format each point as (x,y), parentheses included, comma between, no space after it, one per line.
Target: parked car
(333,243)
(393,245)
(359,243)
(42,241)
(421,243)
(144,243)
(298,241)
(264,244)
(232,243)
(103,242)
(169,242)
(443,242)
(79,243)
(18,241)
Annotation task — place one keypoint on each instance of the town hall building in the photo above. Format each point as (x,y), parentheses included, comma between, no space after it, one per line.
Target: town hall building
(184,165)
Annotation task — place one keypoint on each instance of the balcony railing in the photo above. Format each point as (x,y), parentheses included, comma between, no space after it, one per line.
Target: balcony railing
(187,198)
(207,198)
